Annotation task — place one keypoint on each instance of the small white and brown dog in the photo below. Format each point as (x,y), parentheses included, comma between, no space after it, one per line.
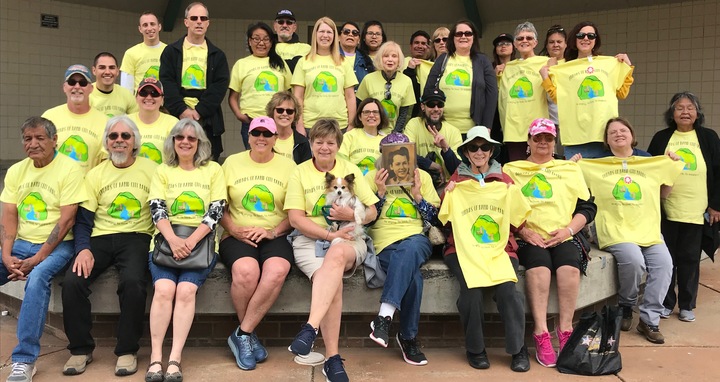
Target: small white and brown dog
(340,191)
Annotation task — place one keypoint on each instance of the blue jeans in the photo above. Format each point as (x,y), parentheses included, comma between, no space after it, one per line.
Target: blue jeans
(588,150)
(33,310)
(245,134)
(403,287)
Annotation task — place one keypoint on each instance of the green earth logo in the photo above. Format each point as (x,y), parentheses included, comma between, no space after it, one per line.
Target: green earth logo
(401,208)
(188,203)
(266,82)
(390,108)
(458,77)
(325,82)
(591,87)
(689,158)
(538,187)
(318,209)
(152,72)
(194,77)
(125,207)
(76,148)
(522,88)
(366,164)
(150,151)
(485,230)
(259,199)
(33,208)
(626,189)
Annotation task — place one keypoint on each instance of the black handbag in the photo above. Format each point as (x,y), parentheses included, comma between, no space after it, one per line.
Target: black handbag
(592,349)
(201,256)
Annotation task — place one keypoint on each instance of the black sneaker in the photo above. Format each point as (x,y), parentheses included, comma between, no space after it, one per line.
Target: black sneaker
(520,361)
(411,351)
(334,370)
(627,318)
(303,342)
(478,361)
(380,327)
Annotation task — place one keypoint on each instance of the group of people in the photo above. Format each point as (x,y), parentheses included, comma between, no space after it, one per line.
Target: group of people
(486,135)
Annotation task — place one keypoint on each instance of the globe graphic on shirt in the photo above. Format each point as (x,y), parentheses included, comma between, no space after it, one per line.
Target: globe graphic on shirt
(194,77)
(688,158)
(150,151)
(188,203)
(325,82)
(626,189)
(75,147)
(125,206)
(390,108)
(266,82)
(259,199)
(152,72)
(522,88)
(33,208)
(366,164)
(401,208)
(537,187)
(318,208)
(591,87)
(458,77)
(485,230)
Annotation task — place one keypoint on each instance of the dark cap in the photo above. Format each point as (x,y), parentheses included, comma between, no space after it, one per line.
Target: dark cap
(152,82)
(285,14)
(503,37)
(434,94)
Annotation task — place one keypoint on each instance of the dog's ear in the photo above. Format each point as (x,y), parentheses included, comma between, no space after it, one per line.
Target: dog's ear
(329,178)
(350,178)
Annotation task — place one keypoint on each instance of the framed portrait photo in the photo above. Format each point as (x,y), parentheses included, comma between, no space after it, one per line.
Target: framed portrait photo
(399,160)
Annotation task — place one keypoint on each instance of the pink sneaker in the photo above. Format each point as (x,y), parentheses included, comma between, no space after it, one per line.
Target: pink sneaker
(544,352)
(563,338)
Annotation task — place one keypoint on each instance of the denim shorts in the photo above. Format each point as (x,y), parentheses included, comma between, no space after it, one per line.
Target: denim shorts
(195,276)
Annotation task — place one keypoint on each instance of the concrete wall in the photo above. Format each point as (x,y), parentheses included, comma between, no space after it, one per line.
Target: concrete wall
(674,48)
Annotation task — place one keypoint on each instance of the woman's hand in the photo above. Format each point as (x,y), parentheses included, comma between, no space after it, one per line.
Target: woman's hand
(545,72)
(673,156)
(622,57)
(380,179)
(575,158)
(417,185)
(178,247)
(413,63)
(499,69)
(343,233)
(244,118)
(338,213)
(557,237)
(714,215)
(450,186)
(532,237)
(257,234)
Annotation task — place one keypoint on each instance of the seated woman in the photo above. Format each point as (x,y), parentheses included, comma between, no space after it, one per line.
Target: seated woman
(304,202)
(492,240)
(361,144)
(560,204)
(285,110)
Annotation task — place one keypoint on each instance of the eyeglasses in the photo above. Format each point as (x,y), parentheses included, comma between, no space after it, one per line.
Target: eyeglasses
(258,40)
(265,133)
(149,91)
(590,36)
(543,138)
(434,104)
(180,138)
(681,109)
(440,39)
(348,32)
(285,22)
(72,82)
(124,135)
(388,95)
(281,110)
(504,43)
(195,18)
(370,112)
(524,38)
(485,147)
(463,33)
(374,34)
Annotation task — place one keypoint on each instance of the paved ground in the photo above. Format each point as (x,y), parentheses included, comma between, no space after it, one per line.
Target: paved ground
(689,354)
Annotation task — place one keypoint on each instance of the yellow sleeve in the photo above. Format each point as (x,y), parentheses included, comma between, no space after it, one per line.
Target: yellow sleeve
(295,197)
(409,96)
(444,214)
(346,145)
(287,73)
(350,79)
(362,189)
(362,91)
(158,183)
(624,90)
(235,84)
(91,203)
(218,187)
(73,186)
(550,88)
(298,76)
(519,207)
(426,189)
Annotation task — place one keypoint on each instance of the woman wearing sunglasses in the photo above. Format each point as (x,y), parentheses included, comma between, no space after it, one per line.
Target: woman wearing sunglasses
(390,86)
(361,144)
(561,206)
(585,102)
(439,40)
(467,78)
(349,40)
(255,78)
(285,111)
(153,125)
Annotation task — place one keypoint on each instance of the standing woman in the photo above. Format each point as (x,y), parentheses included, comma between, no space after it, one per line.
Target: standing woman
(554,47)
(361,144)
(321,82)
(153,125)
(503,51)
(390,86)
(188,189)
(695,197)
(372,36)
(285,111)
(255,78)
(349,39)
(467,78)
(439,39)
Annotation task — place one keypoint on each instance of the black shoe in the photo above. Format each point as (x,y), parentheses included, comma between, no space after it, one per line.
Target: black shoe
(520,361)
(411,351)
(380,327)
(479,361)
(627,318)
(334,370)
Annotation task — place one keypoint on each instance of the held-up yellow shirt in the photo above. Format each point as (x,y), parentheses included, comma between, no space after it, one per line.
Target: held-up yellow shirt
(521,97)
(689,199)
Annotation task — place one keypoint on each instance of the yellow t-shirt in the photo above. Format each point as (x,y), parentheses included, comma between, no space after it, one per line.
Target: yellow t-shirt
(425,142)
(194,67)
(119,197)
(154,135)
(521,97)
(142,61)
(627,193)
(325,85)
(399,218)
(285,147)
(79,135)
(456,82)
(188,193)
(306,189)
(118,102)
(360,148)
(401,94)
(287,51)
(481,217)
(422,71)
(586,96)
(38,194)
(552,190)
(688,200)
(256,191)
(257,81)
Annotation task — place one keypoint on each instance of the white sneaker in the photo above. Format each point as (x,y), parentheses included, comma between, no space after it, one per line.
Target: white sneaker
(665,313)
(22,372)
(687,315)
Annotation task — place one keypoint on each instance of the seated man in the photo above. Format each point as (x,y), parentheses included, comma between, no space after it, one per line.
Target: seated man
(39,203)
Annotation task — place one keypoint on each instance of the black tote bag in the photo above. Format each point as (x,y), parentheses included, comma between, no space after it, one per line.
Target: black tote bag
(593,346)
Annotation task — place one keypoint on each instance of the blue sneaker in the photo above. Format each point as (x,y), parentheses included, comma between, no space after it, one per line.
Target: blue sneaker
(304,340)
(241,348)
(258,350)
(334,370)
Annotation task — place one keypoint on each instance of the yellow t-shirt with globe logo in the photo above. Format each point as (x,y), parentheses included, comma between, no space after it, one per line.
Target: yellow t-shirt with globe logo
(456,82)
(360,148)
(142,61)
(257,81)
(689,199)
(401,94)
(521,97)
(153,135)
(79,135)
(194,69)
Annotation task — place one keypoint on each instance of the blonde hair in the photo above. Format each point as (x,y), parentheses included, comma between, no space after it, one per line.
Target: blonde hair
(386,49)
(439,31)
(334,49)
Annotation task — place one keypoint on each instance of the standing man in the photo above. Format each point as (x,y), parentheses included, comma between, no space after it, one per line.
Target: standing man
(143,60)
(110,98)
(39,203)
(289,46)
(78,124)
(195,75)
(418,65)
(113,227)
(420,45)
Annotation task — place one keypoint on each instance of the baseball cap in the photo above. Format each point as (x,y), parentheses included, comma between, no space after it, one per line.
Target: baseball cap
(503,37)
(542,125)
(433,95)
(151,81)
(478,132)
(265,122)
(285,14)
(78,69)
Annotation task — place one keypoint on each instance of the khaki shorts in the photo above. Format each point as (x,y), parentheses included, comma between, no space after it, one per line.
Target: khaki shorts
(308,263)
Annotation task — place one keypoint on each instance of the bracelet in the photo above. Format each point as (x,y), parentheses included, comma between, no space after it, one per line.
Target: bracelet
(572,233)
(327,236)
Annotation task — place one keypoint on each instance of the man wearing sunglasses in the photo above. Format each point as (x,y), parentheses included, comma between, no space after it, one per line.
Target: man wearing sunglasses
(109,97)
(113,227)
(78,124)
(143,60)
(288,45)
(195,76)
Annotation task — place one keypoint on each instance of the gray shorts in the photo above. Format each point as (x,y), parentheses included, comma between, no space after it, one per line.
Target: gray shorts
(307,261)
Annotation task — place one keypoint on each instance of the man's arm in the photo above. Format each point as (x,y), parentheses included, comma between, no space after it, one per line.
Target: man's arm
(63,226)
(8,232)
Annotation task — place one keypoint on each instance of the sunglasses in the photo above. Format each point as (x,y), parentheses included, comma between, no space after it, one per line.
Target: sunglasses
(524,38)
(543,138)
(440,39)
(504,43)
(388,95)
(149,91)
(434,104)
(265,133)
(590,36)
(285,22)
(348,32)
(72,82)
(463,33)
(202,18)
(281,110)
(124,135)
(485,147)
(180,138)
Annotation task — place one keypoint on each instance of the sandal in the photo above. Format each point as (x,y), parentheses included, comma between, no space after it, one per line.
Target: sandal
(176,376)
(154,376)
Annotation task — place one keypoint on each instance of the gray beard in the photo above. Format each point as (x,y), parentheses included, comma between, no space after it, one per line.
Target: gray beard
(119,158)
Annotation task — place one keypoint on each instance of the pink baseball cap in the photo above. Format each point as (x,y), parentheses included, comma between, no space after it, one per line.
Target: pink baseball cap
(265,122)
(542,125)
